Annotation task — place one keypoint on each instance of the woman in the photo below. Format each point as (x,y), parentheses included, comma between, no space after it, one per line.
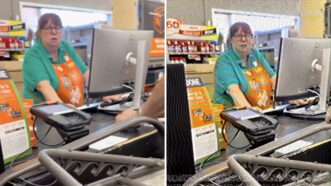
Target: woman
(52,69)
(244,77)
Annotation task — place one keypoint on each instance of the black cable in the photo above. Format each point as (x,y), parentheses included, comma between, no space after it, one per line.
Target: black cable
(47,132)
(229,143)
(17,157)
(207,158)
(234,136)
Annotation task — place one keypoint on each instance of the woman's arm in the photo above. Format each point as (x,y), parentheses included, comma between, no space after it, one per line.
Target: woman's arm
(153,107)
(238,96)
(48,92)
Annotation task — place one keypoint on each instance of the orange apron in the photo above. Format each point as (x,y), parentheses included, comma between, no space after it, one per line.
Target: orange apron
(71,82)
(260,93)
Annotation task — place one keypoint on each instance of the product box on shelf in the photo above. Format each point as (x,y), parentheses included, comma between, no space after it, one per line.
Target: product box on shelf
(8,25)
(14,69)
(8,43)
(12,28)
(197,30)
(191,46)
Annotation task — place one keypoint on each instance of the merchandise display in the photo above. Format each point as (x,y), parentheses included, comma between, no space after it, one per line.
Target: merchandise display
(14,134)
(12,40)
(191,43)
(204,130)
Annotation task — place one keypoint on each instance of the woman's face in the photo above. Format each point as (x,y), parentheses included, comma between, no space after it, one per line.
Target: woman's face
(51,35)
(242,42)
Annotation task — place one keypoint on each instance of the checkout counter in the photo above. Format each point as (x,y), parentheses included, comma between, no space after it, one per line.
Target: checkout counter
(265,166)
(130,162)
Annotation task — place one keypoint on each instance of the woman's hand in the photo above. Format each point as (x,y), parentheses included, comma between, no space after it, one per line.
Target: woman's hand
(126,115)
(305,101)
(258,109)
(110,99)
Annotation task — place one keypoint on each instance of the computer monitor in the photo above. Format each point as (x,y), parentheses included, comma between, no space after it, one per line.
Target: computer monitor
(118,59)
(269,53)
(304,65)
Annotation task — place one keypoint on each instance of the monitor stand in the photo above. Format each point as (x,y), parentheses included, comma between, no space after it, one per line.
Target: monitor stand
(321,107)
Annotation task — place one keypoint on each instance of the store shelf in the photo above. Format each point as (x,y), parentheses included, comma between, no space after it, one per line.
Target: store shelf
(194,53)
(12,49)
(156,59)
(12,35)
(194,38)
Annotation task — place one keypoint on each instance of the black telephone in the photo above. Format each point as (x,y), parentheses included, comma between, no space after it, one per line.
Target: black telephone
(257,127)
(62,116)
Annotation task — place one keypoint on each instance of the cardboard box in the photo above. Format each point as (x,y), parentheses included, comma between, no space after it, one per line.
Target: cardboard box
(14,69)
(199,68)
(205,77)
(17,76)
(11,65)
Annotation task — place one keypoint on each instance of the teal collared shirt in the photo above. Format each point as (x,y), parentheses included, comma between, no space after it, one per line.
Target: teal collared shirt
(38,66)
(230,70)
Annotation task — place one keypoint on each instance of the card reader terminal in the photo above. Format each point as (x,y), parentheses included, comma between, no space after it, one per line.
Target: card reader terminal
(62,116)
(257,127)
(250,121)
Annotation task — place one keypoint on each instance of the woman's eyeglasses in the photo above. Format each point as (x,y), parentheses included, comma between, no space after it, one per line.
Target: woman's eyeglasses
(53,29)
(241,37)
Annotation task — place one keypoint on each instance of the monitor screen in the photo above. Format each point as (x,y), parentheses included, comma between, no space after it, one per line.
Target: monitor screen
(110,71)
(295,74)
(269,53)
